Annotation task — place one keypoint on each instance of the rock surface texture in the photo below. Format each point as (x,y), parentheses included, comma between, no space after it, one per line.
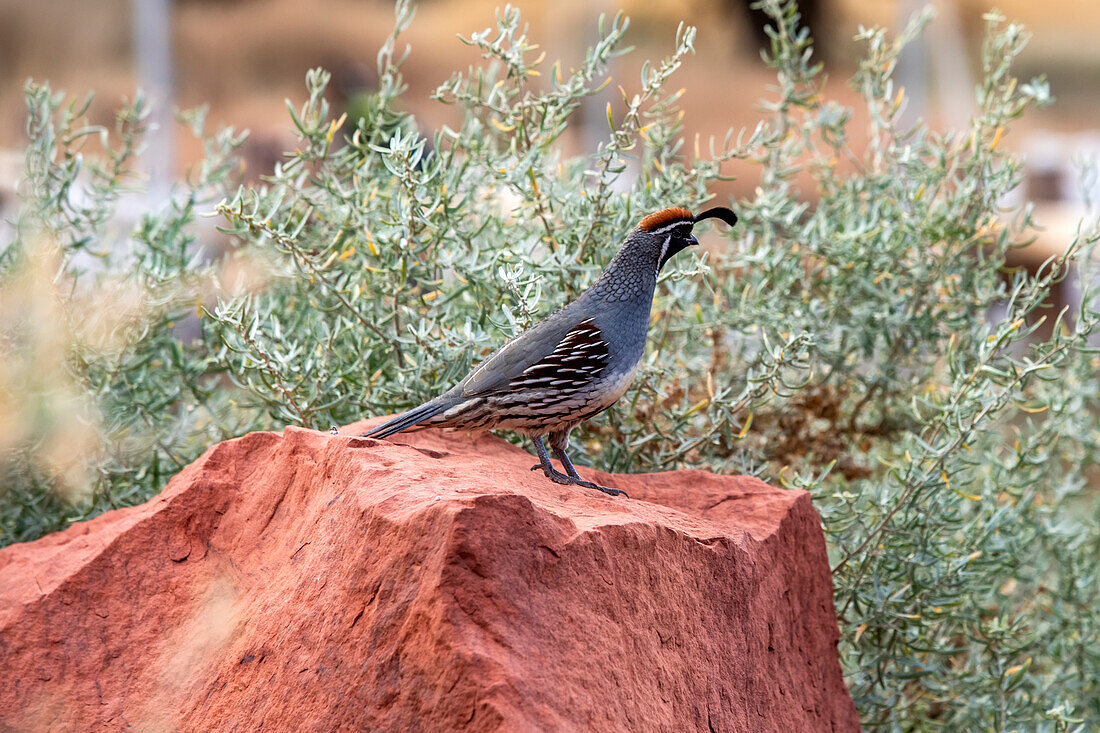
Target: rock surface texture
(300,581)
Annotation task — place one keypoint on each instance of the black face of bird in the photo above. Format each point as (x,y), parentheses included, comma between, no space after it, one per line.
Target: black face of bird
(679,237)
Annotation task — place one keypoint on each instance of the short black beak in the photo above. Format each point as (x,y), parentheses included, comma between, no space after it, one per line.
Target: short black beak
(690,239)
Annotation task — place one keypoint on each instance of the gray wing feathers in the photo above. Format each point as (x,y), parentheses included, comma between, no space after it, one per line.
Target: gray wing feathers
(525,350)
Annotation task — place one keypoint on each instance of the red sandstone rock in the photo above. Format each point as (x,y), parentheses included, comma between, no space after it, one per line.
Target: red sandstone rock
(305,582)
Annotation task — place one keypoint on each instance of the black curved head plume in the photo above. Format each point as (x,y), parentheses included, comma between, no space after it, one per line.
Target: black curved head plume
(674,227)
(718,212)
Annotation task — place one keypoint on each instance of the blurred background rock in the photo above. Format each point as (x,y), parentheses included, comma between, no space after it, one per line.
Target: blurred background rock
(244,57)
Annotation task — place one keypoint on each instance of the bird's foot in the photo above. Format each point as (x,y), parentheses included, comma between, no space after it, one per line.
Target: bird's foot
(592,485)
(560,478)
(553,474)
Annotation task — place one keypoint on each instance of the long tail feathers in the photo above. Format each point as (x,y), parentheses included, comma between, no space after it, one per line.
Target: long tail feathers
(407,420)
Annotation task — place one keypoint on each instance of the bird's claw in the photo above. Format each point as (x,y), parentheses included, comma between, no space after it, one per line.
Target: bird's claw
(560,478)
(604,489)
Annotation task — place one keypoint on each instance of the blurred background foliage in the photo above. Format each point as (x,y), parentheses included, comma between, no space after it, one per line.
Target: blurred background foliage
(862,333)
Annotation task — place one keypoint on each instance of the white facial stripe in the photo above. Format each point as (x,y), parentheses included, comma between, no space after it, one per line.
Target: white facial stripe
(673,225)
(664,251)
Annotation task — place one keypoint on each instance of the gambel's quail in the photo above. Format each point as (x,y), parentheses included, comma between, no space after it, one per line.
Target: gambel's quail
(573,365)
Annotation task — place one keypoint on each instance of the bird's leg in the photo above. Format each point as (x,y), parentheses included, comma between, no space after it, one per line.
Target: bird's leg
(570,478)
(548,468)
(559,442)
(576,479)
